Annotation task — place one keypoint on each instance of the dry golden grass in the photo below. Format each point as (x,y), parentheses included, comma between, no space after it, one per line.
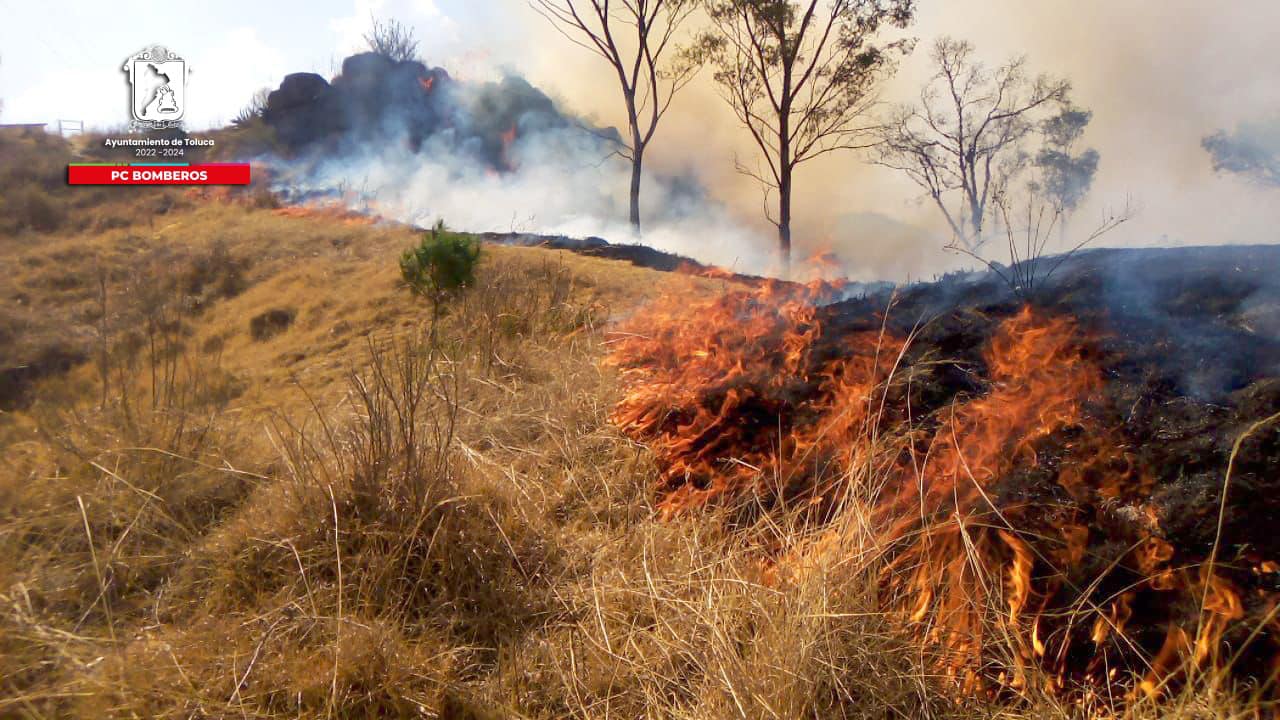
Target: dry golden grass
(337,518)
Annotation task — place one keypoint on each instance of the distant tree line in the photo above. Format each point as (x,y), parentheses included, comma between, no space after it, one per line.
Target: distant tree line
(996,150)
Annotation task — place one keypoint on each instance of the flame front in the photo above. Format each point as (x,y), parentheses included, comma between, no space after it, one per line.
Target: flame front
(711,390)
(992,514)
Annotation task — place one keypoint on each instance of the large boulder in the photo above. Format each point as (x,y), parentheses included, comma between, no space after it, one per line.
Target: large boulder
(298,109)
(380,103)
(297,91)
(383,97)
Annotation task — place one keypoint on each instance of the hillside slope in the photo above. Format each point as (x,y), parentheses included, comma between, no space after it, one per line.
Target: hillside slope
(241,480)
(183,426)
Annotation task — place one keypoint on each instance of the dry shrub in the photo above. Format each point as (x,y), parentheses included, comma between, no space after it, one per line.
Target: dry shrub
(214,274)
(375,544)
(251,139)
(33,191)
(87,550)
(267,324)
(29,207)
(137,299)
(516,301)
(33,159)
(34,194)
(38,211)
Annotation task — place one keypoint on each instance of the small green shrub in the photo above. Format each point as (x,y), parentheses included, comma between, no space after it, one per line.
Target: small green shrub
(443,264)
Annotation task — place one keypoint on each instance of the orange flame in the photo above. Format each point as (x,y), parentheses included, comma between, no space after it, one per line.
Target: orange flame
(737,398)
(694,377)
(824,265)
(508,138)
(331,210)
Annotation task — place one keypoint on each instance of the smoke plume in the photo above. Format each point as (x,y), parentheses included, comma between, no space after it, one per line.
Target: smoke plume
(1158,77)
(1251,150)
(413,143)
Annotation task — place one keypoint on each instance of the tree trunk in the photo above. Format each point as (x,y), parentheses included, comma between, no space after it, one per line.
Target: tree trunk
(637,163)
(785,166)
(976,219)
(637,156)
(784,220)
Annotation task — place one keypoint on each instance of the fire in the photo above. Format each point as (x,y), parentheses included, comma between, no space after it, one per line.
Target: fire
(714,272)
(709,391)
(988,510)
(508,139)
(1039,383)
(823,265)
(331,210)
(427,83)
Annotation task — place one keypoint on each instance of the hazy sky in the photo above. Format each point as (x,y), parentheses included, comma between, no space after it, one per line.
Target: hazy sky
(1159,74)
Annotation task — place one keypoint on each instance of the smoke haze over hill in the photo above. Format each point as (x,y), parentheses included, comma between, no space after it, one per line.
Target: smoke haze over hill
(1159,77)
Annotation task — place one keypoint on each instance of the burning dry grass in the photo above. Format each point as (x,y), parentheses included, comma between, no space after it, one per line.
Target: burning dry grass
(1017,591)
(334,211)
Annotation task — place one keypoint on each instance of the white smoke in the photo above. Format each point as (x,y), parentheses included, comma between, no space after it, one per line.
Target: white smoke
(563,182)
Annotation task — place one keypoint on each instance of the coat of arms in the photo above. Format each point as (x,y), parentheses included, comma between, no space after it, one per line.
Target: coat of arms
(158,80)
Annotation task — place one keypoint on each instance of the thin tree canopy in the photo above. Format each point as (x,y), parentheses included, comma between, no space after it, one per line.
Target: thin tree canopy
(801,77)
(965,140)
(1065,176)
(634,37)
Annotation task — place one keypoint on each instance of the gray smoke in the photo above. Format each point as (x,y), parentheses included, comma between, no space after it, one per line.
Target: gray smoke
(411,143)
(1252,150)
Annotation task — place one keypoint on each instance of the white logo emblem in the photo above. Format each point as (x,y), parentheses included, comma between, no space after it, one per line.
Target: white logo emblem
(158,94)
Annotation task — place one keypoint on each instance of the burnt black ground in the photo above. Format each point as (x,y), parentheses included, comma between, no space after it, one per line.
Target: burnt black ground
(1188,341)
(636,254)
(1187,344)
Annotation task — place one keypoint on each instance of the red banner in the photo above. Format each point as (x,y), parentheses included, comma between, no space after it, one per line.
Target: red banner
(202,174)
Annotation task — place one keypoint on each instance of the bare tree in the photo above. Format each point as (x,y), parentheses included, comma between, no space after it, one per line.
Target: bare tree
(632,36)
(801,78)
(964,142)
(392,39)
(1029,219)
